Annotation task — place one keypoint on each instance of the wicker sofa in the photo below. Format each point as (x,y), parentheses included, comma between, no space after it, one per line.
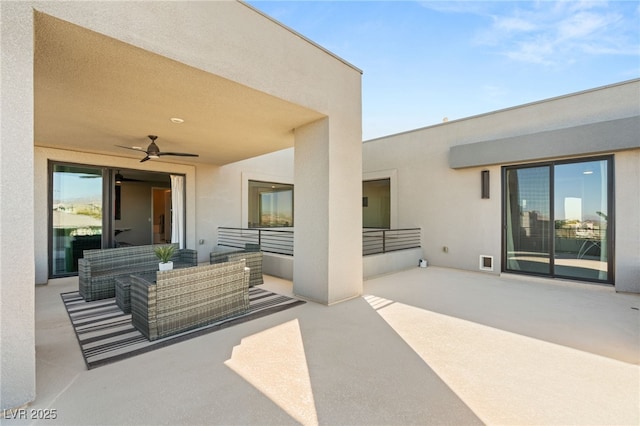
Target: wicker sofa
(188,298)
(253,258)
(98,269)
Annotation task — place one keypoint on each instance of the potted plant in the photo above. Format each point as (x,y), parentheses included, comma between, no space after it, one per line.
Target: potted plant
(165,253)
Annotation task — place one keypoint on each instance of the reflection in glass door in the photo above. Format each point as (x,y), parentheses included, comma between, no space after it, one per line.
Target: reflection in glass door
(581,216)
(527,220)
(76,215)
(557,219)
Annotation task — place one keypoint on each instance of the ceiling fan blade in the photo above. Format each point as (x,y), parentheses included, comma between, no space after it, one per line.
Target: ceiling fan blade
(145,159)
(179,154)
(130,147)
(119,177)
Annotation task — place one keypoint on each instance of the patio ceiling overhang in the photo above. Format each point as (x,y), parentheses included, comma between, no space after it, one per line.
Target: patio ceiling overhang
(93,92)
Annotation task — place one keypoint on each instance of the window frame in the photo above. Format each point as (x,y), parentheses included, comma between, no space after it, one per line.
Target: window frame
(281,187)
(365,201)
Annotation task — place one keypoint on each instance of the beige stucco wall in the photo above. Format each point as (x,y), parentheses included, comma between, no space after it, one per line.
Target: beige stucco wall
(327,203)
(442,201)
(446,202)
(627,193)
(17,270)
(226,38)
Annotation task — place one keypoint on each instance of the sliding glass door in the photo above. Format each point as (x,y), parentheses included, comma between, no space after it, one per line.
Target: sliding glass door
(557,221)
(93,207)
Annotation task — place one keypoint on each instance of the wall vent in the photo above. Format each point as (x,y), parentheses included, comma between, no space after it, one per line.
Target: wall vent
(486,263)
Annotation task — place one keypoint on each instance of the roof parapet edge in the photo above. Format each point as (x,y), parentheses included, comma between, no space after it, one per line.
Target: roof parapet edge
(308,40)
(471,117)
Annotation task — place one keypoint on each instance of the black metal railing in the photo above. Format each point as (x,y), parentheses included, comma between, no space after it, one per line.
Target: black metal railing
(387,240)
(280,241)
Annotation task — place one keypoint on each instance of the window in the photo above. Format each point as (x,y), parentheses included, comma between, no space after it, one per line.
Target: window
(270,204)
(557,219)
(376,203)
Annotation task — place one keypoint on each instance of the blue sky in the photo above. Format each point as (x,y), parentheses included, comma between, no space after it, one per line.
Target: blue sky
(427,60)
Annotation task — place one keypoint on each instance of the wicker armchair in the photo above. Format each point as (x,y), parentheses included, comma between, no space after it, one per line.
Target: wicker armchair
(253,258)
(188,298)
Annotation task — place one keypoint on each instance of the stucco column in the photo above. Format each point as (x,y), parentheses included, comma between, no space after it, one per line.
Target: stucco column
(327,265)
(17,270)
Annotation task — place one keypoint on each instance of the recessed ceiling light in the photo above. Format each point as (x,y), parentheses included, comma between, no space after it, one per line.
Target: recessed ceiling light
(177,120)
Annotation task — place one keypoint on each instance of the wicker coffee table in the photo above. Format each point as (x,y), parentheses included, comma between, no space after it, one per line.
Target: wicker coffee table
(123,289)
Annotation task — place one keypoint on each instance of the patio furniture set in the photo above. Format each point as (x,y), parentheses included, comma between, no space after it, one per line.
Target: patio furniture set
(163,303)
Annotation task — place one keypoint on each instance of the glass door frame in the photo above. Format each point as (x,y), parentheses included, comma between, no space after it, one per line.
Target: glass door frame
(546,240)
(610,243)
(108,179)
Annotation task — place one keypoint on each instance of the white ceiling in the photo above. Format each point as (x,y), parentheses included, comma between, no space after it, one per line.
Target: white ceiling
(93,92)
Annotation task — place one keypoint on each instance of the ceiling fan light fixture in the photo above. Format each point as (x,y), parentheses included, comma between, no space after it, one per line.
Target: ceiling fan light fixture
(152,149)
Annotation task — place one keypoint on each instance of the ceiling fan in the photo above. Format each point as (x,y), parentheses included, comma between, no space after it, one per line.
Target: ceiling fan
(153,151)
(120,178)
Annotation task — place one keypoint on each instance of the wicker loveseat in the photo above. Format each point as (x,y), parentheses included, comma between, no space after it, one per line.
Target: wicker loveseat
(188,298)
(253,258)
(98,269)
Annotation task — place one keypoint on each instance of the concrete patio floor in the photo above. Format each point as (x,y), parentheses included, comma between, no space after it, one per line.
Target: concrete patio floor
(422,346)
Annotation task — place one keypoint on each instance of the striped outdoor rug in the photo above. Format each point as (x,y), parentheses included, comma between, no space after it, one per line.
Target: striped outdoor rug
(106,335)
